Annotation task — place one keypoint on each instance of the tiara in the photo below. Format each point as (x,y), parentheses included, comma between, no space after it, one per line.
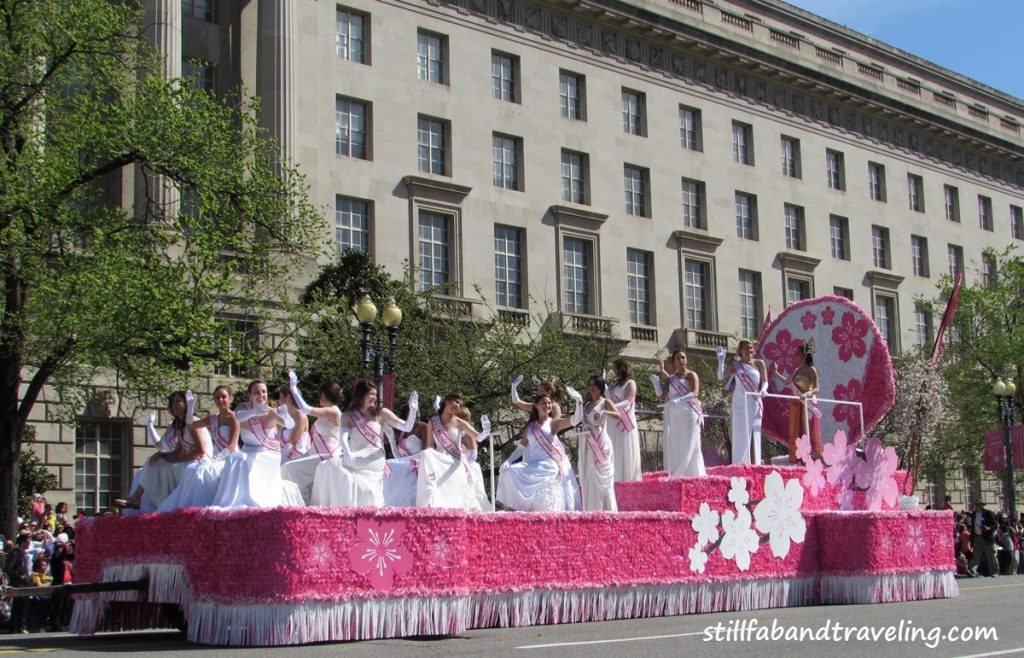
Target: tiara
(807,347)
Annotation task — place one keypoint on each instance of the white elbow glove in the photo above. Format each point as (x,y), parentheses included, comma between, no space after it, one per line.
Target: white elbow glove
(656,383)
(346,450)
(471,456)
(720,353)
(293,388)
(577,415)
(410,419)
(286,418)
(517,453)
(485,435)
(154,438)
(515,389)
(622,404)
(764,387)
(190,407)
(243,415)
(437,404)
(684,398)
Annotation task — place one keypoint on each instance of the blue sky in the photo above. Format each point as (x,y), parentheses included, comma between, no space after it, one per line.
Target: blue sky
(982,39)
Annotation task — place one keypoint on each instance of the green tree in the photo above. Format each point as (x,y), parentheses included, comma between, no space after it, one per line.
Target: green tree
(35,476)
(88,284)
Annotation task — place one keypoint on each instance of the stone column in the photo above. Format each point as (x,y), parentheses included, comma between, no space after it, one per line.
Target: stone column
(163,28)
(275,72)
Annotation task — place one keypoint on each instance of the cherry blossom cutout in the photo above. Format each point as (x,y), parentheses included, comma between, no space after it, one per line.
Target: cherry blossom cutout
(380,555)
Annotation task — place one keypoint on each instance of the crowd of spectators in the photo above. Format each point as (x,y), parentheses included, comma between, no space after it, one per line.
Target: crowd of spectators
(986,543)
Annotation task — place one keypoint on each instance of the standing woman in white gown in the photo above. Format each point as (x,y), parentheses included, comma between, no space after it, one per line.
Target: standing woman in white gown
(324,436)
(745,375)
(683,418)
(544,480)
(252,475)
(355,478)
(449,476)
(596,453)
(624,433)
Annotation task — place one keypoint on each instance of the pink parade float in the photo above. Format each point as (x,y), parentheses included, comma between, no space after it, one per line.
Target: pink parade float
(740,538)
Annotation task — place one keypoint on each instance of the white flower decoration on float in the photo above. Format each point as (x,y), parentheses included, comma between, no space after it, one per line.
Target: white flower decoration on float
(738,492)
(705,524)
(778,514)
(739,540)
(698,558)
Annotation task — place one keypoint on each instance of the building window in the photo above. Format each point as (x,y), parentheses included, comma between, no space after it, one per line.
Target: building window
(915,191)
(636,180)
(797,290)
(1017,222)
(746,216)
(431,57)
(923,325)
(794,227)
(351,224)
(507,151)
(689,128)
(988,268)
(790,157)
(885,318)
(742,143)
(574,177)
(571,95)
(434,250)
(351,129)
(200,72)
(199,9)
(235,345)
(843,292)
(750,304)
(432,143)
(577,260)
(351,35)
(951,195)
(834,170)
(508,266)
(693,204)
(839,237)
(956,259)
(919,255)
(505,77)
(985,213)
(697,294)
(634,120)
(876,181)
(880,247)
(99,464)
(638,286)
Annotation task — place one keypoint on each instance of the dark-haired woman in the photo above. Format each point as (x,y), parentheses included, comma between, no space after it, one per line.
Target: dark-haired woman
(596,452)
(449,476)
(624,433)
(324,436)
(804,416)
(683,418)
(747,381)
(355,478)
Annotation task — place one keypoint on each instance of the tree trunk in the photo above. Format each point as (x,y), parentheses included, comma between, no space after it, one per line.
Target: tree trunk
(12,422)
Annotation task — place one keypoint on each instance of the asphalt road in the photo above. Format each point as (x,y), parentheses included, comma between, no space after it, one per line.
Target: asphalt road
(990,606)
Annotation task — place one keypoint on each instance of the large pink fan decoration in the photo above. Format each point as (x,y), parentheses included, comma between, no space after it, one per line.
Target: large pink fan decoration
(852,360)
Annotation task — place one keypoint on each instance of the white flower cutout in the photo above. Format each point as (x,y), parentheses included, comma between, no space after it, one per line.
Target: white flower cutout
(778,514)
(738,492)
(739,540)
(698,558)
(705,524)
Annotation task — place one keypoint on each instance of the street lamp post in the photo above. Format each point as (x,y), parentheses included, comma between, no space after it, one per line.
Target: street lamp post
(376,349)
(1004,392)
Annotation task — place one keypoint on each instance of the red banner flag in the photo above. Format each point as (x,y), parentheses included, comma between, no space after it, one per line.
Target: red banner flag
(995,448)
(947,317)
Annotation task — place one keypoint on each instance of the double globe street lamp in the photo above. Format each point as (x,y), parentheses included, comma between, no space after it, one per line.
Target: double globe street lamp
(1004,392)
(376,349)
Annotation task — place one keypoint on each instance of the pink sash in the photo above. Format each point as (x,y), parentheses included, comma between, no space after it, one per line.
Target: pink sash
(811,405)
(682,389)
(218,441)
(740,373)
(319,444)
(442,437)
(266,441)
(555,452)
(170,439)
(594,440)
(373,438)
(625,423)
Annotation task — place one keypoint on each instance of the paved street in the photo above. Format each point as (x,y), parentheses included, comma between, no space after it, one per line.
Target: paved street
(990,602)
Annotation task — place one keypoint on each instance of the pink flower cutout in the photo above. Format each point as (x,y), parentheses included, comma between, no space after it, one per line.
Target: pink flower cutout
(380,555)
(916,544)
(850,337)
(803,448)
(875,474)
(848,413)
(808,320)
(841,459)
(814,478)
(845,499)
(827,316)
(783,351)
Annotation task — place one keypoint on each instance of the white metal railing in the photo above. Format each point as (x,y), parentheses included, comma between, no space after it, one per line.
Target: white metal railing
(806,402)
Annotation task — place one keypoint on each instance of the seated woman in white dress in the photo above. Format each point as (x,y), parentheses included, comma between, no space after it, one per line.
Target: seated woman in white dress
(295,442)
(252,475)
(355,478)
(596,454)
(162,472)
(449,476)
(401,471)
(544,480)
(324,436)
(218,435)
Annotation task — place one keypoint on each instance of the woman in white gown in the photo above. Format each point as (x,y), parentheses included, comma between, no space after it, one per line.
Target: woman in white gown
(252,475)
(544,480)
(745,375)
(449,476)
(324,436)
(295,443)
(683,418)
(596,453)
(624,433)
(402,471)
(218,434)
(355,478)
(160,475)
